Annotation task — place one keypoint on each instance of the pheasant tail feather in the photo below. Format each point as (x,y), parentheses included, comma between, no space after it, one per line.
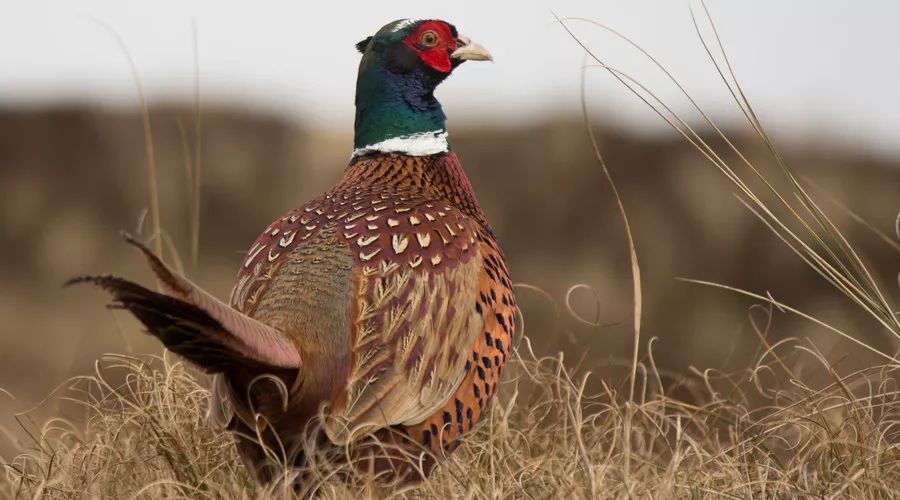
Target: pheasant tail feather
(194,324)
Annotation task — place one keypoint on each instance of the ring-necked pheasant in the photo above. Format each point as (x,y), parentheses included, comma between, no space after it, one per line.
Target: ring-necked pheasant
(384,305)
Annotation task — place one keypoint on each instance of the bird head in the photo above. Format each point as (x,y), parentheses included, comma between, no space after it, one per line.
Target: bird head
(432,46)
(401,66)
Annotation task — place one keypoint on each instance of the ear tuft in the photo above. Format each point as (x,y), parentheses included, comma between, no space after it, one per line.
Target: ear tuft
(363,45)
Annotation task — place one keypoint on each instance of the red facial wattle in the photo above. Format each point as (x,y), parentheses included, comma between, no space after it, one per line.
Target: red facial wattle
(438,55)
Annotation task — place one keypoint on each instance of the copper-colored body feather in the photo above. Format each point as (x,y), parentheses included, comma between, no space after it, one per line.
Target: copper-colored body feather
(383,305)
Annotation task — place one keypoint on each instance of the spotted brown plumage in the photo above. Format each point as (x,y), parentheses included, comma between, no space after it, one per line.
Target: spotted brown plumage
(382,307)
(432,307)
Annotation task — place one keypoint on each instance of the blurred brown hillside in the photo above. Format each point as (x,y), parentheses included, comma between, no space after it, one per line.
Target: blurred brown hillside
(71,179)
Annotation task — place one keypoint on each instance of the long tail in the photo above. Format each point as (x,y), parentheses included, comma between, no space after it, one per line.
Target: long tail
(196,325)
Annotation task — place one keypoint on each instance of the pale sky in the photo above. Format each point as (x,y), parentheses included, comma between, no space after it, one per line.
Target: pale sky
(810,66)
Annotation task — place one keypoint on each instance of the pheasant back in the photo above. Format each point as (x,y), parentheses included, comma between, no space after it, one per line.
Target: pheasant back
(397,296)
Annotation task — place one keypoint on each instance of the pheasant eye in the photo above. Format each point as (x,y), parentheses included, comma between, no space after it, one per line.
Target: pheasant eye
(429,39)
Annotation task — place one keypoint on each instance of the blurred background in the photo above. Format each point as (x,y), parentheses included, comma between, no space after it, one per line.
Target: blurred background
(273,86)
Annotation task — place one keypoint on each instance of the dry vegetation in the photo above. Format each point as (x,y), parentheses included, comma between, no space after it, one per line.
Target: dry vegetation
(792,424)
(147,436)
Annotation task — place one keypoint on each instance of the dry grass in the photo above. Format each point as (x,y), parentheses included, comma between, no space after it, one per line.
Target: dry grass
(793,424)
(761,433)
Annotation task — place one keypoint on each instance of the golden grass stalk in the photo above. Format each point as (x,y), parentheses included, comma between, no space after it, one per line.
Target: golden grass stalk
(803,226)
(149,151)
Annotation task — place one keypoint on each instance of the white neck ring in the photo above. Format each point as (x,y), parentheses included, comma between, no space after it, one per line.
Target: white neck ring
(418,144)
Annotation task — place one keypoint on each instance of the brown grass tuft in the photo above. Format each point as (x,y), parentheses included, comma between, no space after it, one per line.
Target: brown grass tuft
(760,433)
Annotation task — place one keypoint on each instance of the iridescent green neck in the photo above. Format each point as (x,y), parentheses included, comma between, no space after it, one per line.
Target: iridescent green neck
(397,112)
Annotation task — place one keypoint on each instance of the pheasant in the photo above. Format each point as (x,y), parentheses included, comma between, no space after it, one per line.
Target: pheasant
(381,309)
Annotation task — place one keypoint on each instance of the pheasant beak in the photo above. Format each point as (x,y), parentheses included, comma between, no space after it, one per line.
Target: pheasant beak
(467,50)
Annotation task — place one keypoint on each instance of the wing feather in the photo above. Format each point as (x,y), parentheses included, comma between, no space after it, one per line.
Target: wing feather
(414,318)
